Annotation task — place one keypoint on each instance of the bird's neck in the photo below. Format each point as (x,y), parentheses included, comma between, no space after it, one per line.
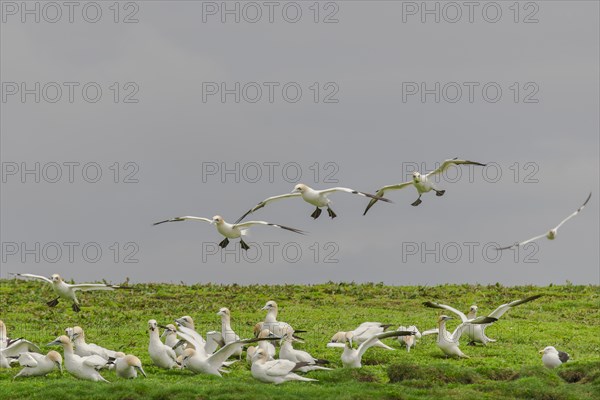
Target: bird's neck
(271,316)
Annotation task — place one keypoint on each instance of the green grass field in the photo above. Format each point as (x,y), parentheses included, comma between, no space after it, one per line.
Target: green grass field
(567,317)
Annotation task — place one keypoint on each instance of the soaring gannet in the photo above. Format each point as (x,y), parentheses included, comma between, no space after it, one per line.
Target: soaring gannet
(287,352)
(278,328)
(83,349)
(230,231)
(364,332)
(421,182)
(553,358)
(476,333)
(448,342)
(409,340)
(161,355)
(227,334)
(67,291)
(127,366)
(551,234)
(351,357)
(317,198)
(80,367)
(275,371)
(213,364)
(35,364)
(265,345)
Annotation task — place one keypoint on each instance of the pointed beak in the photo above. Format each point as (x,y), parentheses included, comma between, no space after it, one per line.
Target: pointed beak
(59,367)
(53,343)
(265,308)
(141,371)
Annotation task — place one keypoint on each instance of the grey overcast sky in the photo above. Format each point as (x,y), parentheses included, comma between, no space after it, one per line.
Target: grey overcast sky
(200,114)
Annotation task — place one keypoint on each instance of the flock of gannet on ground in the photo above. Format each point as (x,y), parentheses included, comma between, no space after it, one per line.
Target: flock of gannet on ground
(185,348)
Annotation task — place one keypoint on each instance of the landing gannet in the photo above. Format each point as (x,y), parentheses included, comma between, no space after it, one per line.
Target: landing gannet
(551,234)
(351,357)
(553,358)
(213,364)
(230,231)
(287,352)
(364,332)
(421,182)
(317,198)
(161,355)
(80,367)
(476,333)
(67,291)
(448,342)
(409,340)
(35,364)
(83,349)
(128,366)
(278,328)
(275,371)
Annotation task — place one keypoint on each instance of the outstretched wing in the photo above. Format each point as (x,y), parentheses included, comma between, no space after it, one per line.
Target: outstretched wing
(575,213)
(267,201)
(498,312)
(448,163)
(352,191)
(248,224)
(381,192)
(522,243)
(373,339)
(186,218)
(92,286)
(43,278)
(19,346)
(431,304)
(466,325)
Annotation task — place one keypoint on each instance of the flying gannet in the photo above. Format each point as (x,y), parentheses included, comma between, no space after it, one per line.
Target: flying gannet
(448,342)
(67,291)
(230,231)
(421,182)
(317,198)
(551,234)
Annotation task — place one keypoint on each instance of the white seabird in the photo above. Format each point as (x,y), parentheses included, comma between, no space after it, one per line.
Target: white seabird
(551,234)
(409,340)
(265,345)
(317,198)
(170,335)
(128,366)
(287,352)
(421,182)
(161,355)
(275,371)
(361,334)
(67,291)
(351,357)
(10,349)
(553,358)
(278,328)
(448,342)
(83,349)
(35,364)
(476,333)
(228,335)
(230,231)
(80,367)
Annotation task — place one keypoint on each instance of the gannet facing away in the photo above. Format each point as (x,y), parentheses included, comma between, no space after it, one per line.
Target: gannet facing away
(83,349)
(80,367)
(128,366)
(553,358)
(409,340)
(317,198)
(66,291)
(421,182)
(275,371)
(35,364)
(476,332)
(551,234)
(351,357)
(161,355)
(230,231)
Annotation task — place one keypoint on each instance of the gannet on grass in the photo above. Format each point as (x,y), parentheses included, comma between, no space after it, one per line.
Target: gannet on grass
(230,231)
(35,364)
(361,334)
(80,367)
(227,333)
(422,182)
(266,346)
(67,291)
(351,357)
(276,371)
(83,349)
(10,349)
(170,335)
(553,358)
(448,342)
(287,352)
(551,234)
(476,332)
(127,366)
(277,328)
(409,340)
(317,198)
(161,355)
